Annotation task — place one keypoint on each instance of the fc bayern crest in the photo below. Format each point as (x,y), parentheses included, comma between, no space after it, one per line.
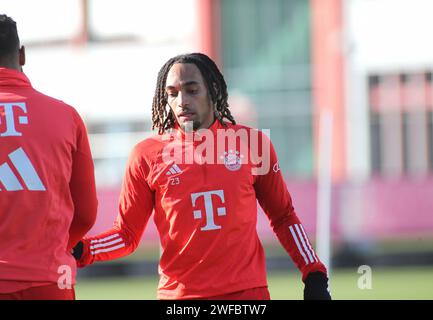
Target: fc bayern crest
(232,160)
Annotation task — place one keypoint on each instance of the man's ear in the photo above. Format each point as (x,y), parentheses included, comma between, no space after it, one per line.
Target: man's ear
(22,56)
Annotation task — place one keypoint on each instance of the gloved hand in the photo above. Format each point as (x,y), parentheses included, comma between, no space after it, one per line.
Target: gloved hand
(77,251)
(316,287)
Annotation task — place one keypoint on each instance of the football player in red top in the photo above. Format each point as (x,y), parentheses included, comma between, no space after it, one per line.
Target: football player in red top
(200,178)
(47,186)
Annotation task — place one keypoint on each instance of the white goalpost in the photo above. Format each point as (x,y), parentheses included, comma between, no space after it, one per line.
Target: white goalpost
(324,187)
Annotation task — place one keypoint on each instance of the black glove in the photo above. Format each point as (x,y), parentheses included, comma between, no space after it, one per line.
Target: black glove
(316,287)
(77,252)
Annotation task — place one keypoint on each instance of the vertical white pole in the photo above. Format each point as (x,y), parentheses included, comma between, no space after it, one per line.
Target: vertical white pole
(323,227)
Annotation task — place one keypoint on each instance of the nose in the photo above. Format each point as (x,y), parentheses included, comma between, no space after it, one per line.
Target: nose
(182,100)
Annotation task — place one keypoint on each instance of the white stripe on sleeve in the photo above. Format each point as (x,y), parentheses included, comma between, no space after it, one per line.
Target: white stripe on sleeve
(105,244)
(297,244)
(309,245)
(303,243)
(108,249)
(105,239)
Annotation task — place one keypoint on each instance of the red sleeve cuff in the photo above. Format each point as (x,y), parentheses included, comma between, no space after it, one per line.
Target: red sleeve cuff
(309,268)
(86,257)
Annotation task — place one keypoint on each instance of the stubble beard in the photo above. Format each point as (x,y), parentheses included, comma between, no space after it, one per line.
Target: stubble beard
(189,126)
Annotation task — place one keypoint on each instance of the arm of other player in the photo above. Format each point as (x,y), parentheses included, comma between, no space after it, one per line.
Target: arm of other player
(135,208)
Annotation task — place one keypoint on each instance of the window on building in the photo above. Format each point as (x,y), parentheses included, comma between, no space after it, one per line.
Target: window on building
(401,123)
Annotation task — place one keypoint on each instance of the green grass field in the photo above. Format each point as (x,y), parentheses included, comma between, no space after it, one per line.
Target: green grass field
(387,283)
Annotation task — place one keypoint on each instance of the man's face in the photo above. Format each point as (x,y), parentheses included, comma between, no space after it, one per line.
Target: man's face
(188,97)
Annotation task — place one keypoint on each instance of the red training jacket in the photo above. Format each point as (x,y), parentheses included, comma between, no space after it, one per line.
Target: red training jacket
(205,213)
(47,186)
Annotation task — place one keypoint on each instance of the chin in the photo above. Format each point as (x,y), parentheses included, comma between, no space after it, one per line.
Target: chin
(187,125)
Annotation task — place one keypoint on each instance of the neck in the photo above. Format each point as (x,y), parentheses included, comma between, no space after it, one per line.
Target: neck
(207,124)
(7,63)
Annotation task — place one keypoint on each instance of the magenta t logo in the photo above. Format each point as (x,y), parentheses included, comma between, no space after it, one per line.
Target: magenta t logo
(221,211)
(10,119)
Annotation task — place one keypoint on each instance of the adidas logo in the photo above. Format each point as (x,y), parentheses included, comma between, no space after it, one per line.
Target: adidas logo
(23,166)
(173,170)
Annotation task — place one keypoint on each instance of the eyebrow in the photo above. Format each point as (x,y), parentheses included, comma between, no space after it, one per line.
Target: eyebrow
(185,84)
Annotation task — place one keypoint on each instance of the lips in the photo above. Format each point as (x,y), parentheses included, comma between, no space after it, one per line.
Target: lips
(186,115)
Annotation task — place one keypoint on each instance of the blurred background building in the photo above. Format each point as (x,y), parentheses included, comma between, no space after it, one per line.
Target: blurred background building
(367,62)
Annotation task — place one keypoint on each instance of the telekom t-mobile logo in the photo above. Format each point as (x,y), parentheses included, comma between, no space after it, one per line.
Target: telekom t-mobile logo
(221,211)
(10,119)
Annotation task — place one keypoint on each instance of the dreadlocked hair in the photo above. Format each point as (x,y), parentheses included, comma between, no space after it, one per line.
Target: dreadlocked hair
(162,116)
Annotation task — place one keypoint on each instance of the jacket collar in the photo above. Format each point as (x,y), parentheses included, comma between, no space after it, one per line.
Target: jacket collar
(13,78)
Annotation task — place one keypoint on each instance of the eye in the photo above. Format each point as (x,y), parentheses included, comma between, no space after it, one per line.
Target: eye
(172,94)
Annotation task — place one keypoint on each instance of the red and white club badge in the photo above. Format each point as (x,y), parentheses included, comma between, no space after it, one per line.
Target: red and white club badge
(232,160)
